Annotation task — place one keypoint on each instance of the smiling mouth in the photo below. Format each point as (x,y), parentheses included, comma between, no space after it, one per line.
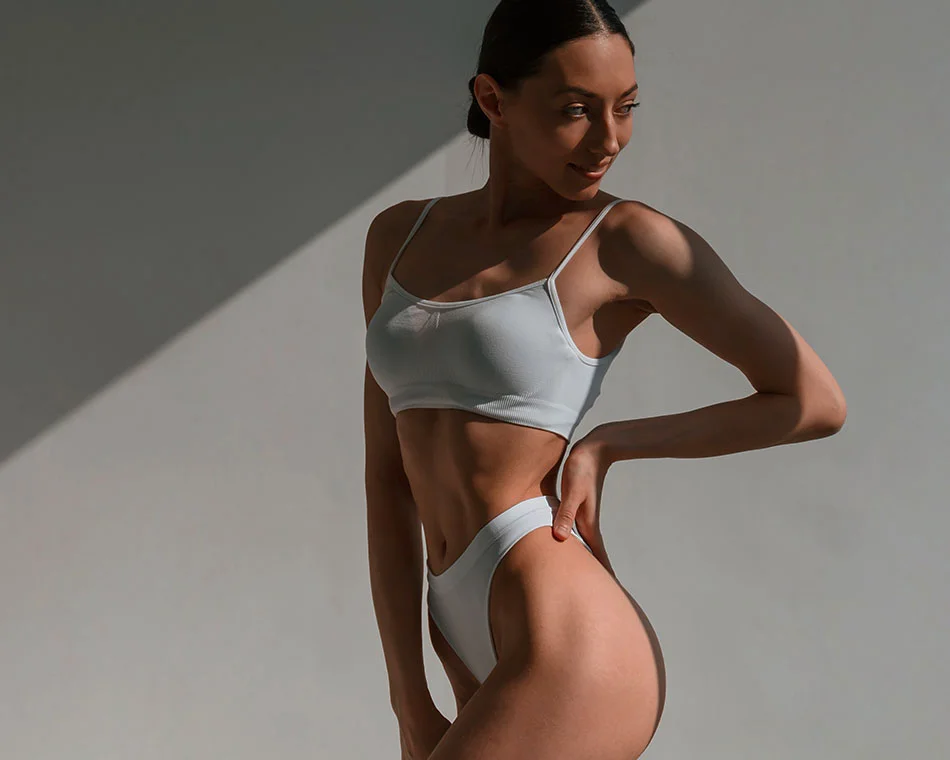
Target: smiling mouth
(592,173)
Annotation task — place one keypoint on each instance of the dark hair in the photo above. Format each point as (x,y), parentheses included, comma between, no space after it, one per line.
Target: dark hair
(520,33)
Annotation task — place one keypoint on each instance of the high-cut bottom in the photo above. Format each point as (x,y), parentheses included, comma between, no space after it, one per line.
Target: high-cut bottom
(458,596)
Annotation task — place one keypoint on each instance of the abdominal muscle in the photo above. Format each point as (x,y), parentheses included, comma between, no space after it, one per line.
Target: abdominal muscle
(465,469)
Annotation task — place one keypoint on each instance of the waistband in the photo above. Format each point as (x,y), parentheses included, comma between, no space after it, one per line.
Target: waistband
(508,526)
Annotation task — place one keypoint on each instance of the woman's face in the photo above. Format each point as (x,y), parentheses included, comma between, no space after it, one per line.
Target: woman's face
(577,111)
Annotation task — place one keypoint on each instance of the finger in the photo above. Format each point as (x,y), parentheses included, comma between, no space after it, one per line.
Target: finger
(563,520)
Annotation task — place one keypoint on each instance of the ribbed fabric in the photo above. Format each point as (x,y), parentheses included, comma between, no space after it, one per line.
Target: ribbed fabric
(509,356)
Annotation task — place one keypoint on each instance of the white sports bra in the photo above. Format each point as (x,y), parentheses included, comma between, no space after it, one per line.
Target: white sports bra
(508,356)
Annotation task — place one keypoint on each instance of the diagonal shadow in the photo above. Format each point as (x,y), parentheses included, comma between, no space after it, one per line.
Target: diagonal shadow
(155,158)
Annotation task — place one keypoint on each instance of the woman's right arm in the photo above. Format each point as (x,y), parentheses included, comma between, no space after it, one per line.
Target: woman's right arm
(394,532)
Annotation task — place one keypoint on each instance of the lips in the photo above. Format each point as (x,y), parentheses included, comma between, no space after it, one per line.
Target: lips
(595,173)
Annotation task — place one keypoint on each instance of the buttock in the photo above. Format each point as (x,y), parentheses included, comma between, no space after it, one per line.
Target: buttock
(458,597)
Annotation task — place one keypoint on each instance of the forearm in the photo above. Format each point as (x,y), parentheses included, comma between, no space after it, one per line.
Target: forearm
(754,422)
(396,573)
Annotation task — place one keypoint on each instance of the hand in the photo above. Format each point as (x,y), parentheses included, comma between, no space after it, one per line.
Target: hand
(420,731)
(582,482)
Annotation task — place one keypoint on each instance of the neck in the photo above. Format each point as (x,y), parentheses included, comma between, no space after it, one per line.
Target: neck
(513,194)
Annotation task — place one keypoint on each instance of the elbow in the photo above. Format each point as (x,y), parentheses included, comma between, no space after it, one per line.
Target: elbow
(841,407)
(830,415)
(825,405)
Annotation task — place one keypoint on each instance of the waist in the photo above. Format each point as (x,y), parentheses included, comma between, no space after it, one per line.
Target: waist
(446,548)
(464,471)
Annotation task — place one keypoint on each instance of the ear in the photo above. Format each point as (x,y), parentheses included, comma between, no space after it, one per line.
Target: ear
(490,98)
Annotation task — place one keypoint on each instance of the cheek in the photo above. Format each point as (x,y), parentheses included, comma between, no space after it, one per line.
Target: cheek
(548,144)
(624,134)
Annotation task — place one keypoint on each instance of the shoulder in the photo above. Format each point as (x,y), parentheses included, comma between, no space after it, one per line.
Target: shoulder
(635,238)
(648,250)
(639,230)
(385,234)
(389,226)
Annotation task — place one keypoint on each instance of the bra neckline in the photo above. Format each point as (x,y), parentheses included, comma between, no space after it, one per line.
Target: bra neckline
(391,280)
(465,301)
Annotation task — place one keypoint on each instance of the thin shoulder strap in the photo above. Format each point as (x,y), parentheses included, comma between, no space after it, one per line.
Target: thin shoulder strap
(584,236)
(412,232)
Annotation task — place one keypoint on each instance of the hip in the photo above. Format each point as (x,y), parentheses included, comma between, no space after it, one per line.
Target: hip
(519,595)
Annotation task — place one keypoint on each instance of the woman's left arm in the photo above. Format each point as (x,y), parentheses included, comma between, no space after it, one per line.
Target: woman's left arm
(664,263)
(668,265)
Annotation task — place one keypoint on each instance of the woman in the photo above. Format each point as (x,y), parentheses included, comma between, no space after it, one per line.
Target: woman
(487,340)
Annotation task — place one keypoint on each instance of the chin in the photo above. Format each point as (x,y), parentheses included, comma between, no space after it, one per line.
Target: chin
(574,190)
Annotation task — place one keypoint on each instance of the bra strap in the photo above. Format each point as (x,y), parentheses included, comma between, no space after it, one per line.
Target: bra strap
(412,232)
(584,236)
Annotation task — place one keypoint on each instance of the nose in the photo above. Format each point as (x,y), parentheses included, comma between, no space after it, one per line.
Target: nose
(608,144)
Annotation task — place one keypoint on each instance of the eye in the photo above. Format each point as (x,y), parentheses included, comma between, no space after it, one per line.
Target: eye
(629,106)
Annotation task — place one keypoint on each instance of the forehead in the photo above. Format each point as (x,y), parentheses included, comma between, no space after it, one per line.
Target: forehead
(601,64)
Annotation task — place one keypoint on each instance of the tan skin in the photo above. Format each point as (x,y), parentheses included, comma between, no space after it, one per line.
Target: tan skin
(580,672)
(463,468)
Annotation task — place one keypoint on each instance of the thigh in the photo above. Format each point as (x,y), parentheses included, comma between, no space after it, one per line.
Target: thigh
(545,711)
(576,675)
(463,683)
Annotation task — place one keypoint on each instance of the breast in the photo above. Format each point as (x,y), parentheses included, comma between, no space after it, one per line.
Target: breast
(501,346)
(505,357)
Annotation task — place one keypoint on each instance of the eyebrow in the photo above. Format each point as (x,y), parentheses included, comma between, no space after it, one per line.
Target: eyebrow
(582,91)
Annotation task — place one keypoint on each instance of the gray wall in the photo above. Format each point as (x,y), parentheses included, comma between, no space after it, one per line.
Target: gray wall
(185,194)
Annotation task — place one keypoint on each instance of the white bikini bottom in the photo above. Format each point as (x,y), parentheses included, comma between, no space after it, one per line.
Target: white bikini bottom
(458,596)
